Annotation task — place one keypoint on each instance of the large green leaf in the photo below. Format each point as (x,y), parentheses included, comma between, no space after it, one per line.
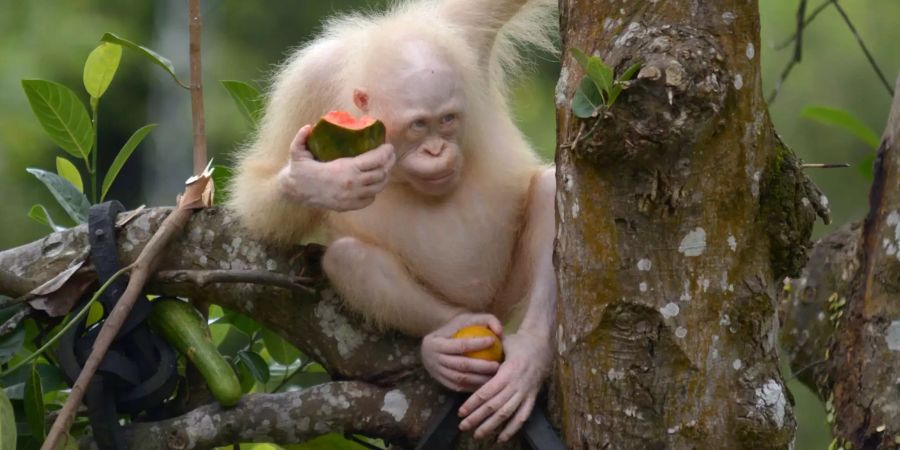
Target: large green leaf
(842,119)
(330,441)
(596,69)
(10,343)
(247,98)
(280,350)
(39,214)
(34,404)
(256,364)
(867,166)
(123,156)
(221,180)
(73,202)
(61,115)
(67,170)
(7,423)
(156,58)
(587,99)
(100,68)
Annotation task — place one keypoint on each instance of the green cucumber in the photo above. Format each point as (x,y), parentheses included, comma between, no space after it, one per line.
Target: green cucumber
(183,327)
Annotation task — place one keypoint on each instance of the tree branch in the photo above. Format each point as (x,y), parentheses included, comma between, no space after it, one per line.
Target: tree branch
(214,249)
(350,406)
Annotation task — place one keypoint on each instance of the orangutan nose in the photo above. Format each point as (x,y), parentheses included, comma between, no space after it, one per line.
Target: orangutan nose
(435,148)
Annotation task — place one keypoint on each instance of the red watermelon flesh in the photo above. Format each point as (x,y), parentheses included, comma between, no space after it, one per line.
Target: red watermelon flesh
(340,135)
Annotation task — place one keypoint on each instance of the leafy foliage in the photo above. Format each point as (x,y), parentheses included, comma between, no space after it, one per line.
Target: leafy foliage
(247,98)
(599,89)
(844,120)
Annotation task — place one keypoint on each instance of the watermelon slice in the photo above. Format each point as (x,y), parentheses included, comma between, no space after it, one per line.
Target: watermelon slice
(340,135)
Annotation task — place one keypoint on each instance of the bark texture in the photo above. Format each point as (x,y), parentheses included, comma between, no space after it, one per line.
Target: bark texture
(391,397)
(678,217)
(842,314)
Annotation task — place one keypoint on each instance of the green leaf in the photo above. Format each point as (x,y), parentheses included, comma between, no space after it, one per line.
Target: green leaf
(67,170)
(34,404)
(867,166)
(580,57)
(587,99)
(40,215)
(124,153)
(94,314)
(247,98)
(256,364)
(842,119)
(630,72)
(221,180)
(280,350)
(330,441)
(600,73)
(73,202)
(61,115)
(7,423)
(10,343)
(156,58)
(619,84)
(100,68)
(595,68)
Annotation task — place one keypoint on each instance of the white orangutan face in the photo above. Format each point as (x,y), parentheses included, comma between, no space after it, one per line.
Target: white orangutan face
(421,103)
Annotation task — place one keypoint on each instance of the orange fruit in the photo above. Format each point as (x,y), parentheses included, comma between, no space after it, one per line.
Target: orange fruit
(492,353)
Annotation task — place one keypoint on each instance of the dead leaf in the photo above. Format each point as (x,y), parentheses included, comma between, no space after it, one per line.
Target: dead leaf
(58,295)
(198,193)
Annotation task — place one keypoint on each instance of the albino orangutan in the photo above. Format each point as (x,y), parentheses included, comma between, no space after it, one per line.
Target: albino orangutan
(448,224)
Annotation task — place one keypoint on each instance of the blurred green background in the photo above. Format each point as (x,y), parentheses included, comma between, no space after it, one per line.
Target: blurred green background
(243,40)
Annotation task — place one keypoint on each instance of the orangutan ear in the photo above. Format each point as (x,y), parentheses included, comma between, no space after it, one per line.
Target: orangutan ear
(361,100)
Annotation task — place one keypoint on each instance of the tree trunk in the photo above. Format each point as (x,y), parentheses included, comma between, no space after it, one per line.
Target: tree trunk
(842,315)
(679,212)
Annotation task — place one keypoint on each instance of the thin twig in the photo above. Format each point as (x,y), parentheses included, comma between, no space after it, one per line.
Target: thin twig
(204,277)
(806,23)
(824,166)
(144,266)
(805,368)
(798,50)
(197,116)
(865,49)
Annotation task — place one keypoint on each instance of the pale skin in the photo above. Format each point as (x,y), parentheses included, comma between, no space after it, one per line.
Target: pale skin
(448,224)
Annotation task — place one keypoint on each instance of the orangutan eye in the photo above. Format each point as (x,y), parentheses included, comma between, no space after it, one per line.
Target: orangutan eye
(448,119)
(418,124)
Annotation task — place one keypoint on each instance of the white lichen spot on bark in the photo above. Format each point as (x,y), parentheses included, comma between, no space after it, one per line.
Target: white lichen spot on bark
(615,374)
(560,340)
(754,184)
(738,81)
(771,401)
(680,332)
(644,265)
(670,310)
(732,242)
(686,294)
(892,337)
(751,51)
(893,248)
(823,200)
(694,243)
(728,17)
(643,286)
(336,326)
(737,364)
(575,209)
(395,404)
(271,265)
(561,87)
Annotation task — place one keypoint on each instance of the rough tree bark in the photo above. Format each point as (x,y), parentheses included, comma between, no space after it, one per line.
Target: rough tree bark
(842,317)
(678,217)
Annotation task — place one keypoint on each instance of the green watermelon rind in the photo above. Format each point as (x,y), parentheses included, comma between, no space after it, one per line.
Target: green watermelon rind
(329,141)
